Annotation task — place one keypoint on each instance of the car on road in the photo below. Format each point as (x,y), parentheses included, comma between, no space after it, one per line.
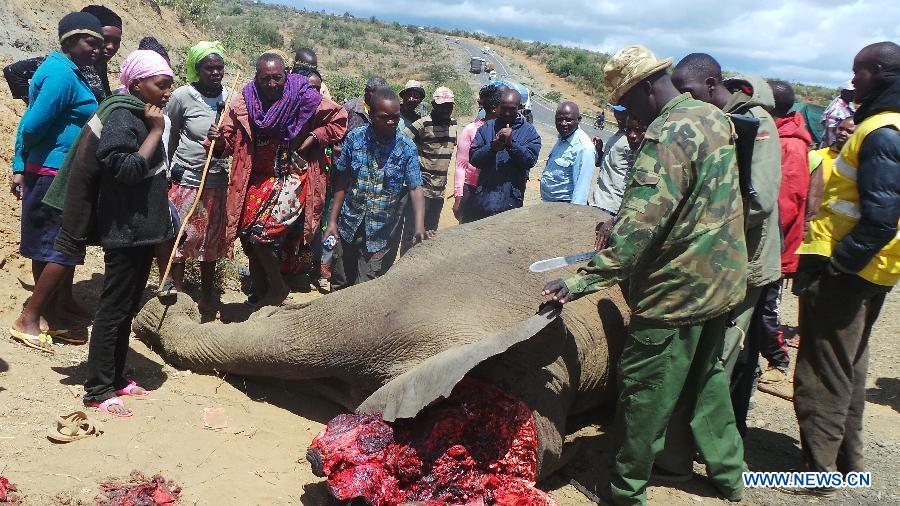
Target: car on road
(485,50)
(476,65)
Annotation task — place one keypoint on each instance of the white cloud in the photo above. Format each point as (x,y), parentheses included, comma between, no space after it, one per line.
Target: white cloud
(811,41)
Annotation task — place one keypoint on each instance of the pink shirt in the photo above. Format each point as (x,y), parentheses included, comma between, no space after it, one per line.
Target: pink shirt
(465,171)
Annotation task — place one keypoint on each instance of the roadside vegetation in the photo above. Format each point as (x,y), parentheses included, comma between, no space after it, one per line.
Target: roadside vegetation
(350,49)
(353,49)
(584,68)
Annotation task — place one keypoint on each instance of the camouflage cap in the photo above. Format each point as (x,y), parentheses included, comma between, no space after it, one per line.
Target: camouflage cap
(628,67)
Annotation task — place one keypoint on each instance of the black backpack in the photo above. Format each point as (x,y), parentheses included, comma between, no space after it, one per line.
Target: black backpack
(745,129)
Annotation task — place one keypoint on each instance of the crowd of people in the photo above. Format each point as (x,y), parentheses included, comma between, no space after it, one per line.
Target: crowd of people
(700,237)
(702,255)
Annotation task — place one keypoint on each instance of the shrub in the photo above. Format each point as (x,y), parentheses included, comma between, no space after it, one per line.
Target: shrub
(195,11)
(554,96)
(344,88)
(264,34)
(441,72)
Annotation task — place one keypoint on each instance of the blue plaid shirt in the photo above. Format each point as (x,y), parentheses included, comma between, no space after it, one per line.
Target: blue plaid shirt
(380,175)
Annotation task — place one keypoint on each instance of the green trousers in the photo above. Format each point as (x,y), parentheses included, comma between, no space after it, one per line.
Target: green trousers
(678,454)
(660,368)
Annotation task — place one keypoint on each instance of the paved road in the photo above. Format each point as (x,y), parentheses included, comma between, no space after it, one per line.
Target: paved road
(544,111)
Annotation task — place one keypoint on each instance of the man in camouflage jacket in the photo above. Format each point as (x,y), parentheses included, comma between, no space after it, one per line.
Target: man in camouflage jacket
(678,243)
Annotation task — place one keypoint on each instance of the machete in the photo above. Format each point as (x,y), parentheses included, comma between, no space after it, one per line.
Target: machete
(559,262)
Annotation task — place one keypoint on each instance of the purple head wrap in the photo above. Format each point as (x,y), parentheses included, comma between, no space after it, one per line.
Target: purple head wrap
(286,117)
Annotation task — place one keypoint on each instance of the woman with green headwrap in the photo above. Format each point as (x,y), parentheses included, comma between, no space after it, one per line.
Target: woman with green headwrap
(192,110)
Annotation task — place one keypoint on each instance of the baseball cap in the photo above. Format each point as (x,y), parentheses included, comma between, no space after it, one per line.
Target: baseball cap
(443,95)
(413,85)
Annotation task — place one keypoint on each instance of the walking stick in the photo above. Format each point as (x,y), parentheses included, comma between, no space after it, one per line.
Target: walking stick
(221,112)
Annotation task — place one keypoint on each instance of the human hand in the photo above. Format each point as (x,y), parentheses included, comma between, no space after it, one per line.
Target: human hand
(603,230)
(17,185)
(558,291)
(331,230)
(457,209)
(214,133)
(154,118)
(598,144)
(307,143)
(422,235)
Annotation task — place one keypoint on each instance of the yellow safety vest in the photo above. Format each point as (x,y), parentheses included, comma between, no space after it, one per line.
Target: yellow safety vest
(840,208)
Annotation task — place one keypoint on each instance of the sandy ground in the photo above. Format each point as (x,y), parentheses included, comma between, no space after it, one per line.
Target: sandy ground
(259,457)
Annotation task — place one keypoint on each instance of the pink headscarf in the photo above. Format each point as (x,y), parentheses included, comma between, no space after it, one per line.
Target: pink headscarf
(141,64)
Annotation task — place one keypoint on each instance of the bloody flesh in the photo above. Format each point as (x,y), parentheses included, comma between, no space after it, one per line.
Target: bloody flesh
(7,491)
(138,490)
(477,447)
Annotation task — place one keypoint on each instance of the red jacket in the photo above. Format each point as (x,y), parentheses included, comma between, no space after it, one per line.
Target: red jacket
(329,123)
(795,141)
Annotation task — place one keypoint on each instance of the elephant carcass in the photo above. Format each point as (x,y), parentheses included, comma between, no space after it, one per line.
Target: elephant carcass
(444,298)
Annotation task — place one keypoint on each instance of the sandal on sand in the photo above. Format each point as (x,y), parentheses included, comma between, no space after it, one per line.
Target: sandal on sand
(41,341)
(73,427)
(104,407)
(130,388)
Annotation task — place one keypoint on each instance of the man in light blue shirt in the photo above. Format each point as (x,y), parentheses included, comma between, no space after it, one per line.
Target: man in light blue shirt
(570,168)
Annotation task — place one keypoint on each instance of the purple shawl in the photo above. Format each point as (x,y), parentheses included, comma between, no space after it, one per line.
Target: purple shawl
(286,117)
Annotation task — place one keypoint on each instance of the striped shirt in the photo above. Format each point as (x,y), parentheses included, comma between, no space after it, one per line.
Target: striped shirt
(435,144)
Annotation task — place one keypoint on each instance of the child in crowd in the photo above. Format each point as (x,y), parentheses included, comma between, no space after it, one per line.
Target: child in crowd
(132,218)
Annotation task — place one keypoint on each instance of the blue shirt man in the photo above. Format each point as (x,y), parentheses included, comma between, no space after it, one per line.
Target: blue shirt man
(570,168)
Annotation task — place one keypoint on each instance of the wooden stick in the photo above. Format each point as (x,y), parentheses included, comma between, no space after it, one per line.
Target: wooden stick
(209,156)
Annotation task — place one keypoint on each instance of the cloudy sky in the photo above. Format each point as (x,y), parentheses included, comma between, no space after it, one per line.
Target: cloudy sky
(811,41)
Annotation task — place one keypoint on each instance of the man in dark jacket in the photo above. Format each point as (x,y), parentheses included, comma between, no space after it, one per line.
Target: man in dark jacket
(359,107)
(849,262)
(504,150)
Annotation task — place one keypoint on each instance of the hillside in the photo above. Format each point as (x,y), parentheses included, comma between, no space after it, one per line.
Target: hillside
(349,49)
(584,68)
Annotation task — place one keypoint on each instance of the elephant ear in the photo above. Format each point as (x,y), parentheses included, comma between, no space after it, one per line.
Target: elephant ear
(435,378)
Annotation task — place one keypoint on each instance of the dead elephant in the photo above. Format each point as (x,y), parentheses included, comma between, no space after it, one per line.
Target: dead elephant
(453,306)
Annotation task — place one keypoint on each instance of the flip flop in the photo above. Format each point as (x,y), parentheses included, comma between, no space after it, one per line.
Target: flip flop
(42,341)
(73,427)
(130,388)
(104,407)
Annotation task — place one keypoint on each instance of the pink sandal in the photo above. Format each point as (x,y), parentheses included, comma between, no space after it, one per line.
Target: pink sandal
(104,407)
(130,388)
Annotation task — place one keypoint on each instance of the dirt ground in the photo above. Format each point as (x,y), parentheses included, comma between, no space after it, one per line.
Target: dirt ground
(258,458)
